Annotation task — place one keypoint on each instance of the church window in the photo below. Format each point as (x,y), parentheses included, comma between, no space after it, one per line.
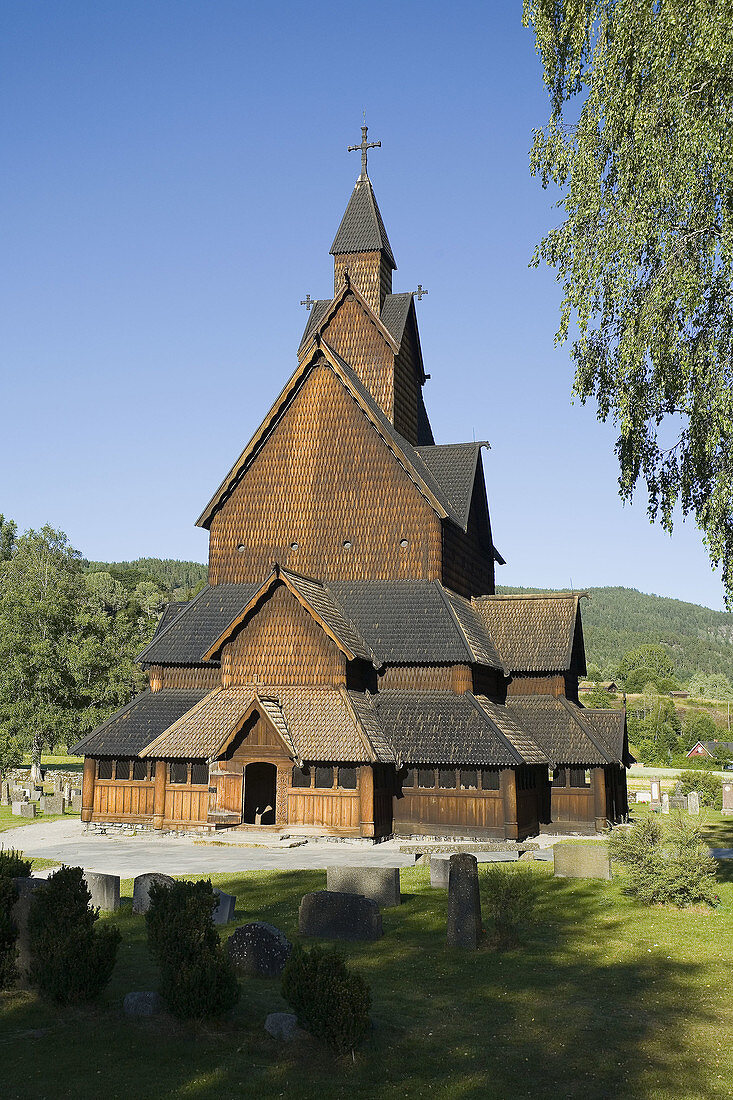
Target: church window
(200,772)
(140,769)
(347,778)
(122,769)
(301,777)
(324,778)
(294,546)
(447,778)
(404,543)
(469,779)
(558,778)
(489,779)
(579,777)
(104,769)
(409,780)
(347,544)
(178,772)
(426,778)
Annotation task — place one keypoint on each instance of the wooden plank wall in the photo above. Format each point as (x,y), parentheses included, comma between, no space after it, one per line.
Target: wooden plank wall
(326,478)
(121,800)
(336,810)
(454,809)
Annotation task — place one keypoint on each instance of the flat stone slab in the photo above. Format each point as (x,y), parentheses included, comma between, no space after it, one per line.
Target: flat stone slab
(497,857)
(331,916)
(259,949)
(23,809)
(141,889)
(582,861)
(381,884)
(145,1003)
(105,890)
(224,911)
(544,855)
(284,1026)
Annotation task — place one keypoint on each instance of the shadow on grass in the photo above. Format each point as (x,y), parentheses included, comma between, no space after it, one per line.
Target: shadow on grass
(583,1007)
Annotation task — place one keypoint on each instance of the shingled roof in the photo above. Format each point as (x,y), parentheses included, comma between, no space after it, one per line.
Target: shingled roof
(453,465)
(559,727)
(188,635)
(362,228)
(609,727)
(533,633)
(202,733)
(394,313)
(132,728)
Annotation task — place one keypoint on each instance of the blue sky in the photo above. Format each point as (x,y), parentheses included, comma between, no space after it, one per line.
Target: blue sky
(174,173)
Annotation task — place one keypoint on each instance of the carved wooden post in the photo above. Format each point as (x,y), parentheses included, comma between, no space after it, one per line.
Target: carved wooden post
(87,788)
(161,772)
(599,798)
(366,800)
(508,778)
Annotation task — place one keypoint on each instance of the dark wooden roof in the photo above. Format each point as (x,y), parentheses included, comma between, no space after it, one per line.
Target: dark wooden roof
(563,732)
(362,228)
(453,465)
(197,626)
(395,312)
(170,612)
(534,633)
(609,727)
(128,731)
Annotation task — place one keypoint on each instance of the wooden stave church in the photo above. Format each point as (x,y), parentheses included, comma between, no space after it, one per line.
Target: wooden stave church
(349,670)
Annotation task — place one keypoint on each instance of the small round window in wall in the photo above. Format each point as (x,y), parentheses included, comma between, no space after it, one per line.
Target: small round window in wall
(241,548)
(347,544)
(293,546)
(404,544)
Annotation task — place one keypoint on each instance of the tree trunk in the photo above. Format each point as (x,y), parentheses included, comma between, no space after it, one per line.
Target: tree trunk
(36,748)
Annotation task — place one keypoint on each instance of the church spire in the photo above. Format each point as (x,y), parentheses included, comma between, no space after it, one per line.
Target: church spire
(361,245)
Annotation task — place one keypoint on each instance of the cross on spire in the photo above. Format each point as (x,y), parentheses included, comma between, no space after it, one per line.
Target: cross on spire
(420,292)
(364,146)
(307,302)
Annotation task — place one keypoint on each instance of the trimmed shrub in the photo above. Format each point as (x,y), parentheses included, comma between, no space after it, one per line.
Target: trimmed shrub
(13,865)
(8,932)
(331,1001)
(708,786)
(508,898)
(197,978)
(666,862)
(71,960)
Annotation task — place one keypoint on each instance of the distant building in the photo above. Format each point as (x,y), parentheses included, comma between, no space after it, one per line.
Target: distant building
(711,749)
(600,685)
(679,694)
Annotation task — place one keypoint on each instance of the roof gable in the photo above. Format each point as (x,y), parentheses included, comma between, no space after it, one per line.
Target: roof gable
(326,315)
(453,465)
(362,228)
(533,632)
(189,634)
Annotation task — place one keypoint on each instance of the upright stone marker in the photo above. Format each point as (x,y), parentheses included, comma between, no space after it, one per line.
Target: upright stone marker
(259,949)
(26,888)
(52,804)
(331,916)
(439,869)
(5,793)
(665,803)
(656,789)
(105,890)
(693,803)
(224,911)
(582,861)
(381,884)
(23,809)
(76,803)
(464,902)
(141,889)
(727,798)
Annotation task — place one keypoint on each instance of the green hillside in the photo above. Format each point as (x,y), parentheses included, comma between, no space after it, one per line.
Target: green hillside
(171,576)
(618,619)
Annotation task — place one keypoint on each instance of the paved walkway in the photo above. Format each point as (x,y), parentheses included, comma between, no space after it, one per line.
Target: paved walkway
(66,842)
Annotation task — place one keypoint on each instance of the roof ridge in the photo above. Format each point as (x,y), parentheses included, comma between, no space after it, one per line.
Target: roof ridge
(576,711)
(452,612)
(156,638)
(533,596)
(497,732)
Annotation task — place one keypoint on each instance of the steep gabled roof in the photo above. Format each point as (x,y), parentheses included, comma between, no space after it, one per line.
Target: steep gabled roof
(205,729)
(532,632)
(326,314)
(408,457)
(395,312)
(362,228)
(132,728)
(560,729)
(453,465)
(188,635)
(315,316)
(317,600)
(170,612)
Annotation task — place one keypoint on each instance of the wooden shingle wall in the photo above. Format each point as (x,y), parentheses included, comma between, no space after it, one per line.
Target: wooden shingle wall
(537,685)
(178,676)
(369,272)
(324,477)
(406,386)
(282,644)
(357,340)
(468,563)
(426,678)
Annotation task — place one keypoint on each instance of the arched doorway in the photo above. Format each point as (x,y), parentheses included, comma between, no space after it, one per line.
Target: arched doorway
(260,791)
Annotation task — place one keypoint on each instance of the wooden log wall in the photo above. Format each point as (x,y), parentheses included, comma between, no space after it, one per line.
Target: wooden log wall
(282,644)
(326,478)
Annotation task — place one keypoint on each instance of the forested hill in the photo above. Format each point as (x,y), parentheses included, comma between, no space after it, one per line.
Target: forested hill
(616,620)
(170,576)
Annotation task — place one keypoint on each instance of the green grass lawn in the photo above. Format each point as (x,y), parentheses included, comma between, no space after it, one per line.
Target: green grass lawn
(602,999)
(55,762)
(8,821)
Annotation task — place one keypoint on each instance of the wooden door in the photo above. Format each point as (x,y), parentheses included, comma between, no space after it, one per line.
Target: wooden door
(225,796)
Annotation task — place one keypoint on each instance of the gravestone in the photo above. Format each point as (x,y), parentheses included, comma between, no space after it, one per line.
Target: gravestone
(224,911)
(693,803)
(259,949)
(331,916)
(67,793)
(655,788)
(464,902)
(141,889)
(58,784)
(439,868)
(23,809)
(643,796)
(665,803)
(76,792)
(499,857)
(676,803)
(5,794)
(105,890)
(381,884)
(142,1004)
(727,798)
(582,861)
(76,803)
(34,795)
(52,804)
(284,1025)
(26,887)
